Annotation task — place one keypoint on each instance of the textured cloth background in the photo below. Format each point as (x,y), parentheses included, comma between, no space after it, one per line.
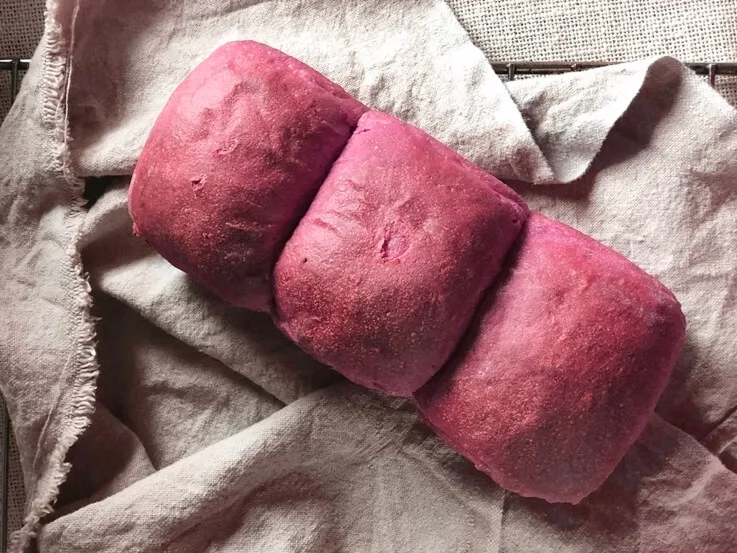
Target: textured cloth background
(548,32)
(21,25)
(605,30)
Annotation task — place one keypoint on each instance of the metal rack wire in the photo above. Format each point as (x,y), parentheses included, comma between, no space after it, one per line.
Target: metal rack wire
(513,68)
(14,66)
(508,69)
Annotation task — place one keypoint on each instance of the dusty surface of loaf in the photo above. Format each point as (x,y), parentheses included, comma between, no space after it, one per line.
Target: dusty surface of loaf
(233,161)
(380,275)
(562,367)
(383,274)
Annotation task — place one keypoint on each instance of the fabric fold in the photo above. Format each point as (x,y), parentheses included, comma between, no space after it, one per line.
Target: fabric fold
(668,494)
(127,269)
(598,97)
(323,474)
(106,460)
(48,340)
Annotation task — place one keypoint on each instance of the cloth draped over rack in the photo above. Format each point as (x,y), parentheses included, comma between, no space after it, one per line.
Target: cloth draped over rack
(152,417)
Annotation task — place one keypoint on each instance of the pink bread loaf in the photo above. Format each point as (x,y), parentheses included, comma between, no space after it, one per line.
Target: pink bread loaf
(566,355)
(384,272)
(232,163)
(561,369)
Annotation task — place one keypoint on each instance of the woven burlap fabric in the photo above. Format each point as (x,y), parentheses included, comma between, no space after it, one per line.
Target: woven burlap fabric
(21,25)
(609,30)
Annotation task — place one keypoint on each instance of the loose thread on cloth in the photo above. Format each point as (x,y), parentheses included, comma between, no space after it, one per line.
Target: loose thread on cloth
(76,414)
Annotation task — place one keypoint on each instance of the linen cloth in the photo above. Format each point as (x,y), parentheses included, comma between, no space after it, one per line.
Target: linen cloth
(21,27)
(208,431)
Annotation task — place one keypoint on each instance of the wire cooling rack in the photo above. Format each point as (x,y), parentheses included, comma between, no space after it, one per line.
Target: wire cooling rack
(508,69)
(513,68)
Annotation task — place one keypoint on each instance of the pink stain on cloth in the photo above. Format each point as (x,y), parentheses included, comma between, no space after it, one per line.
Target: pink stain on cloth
(570,350)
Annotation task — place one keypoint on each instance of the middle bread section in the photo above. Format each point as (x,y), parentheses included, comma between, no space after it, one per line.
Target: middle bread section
(382,275)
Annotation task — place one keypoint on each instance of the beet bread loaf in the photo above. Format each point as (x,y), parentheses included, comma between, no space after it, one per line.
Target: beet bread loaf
(378,250)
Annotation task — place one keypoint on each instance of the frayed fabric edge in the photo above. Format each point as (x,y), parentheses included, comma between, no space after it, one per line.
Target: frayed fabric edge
(75,413)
